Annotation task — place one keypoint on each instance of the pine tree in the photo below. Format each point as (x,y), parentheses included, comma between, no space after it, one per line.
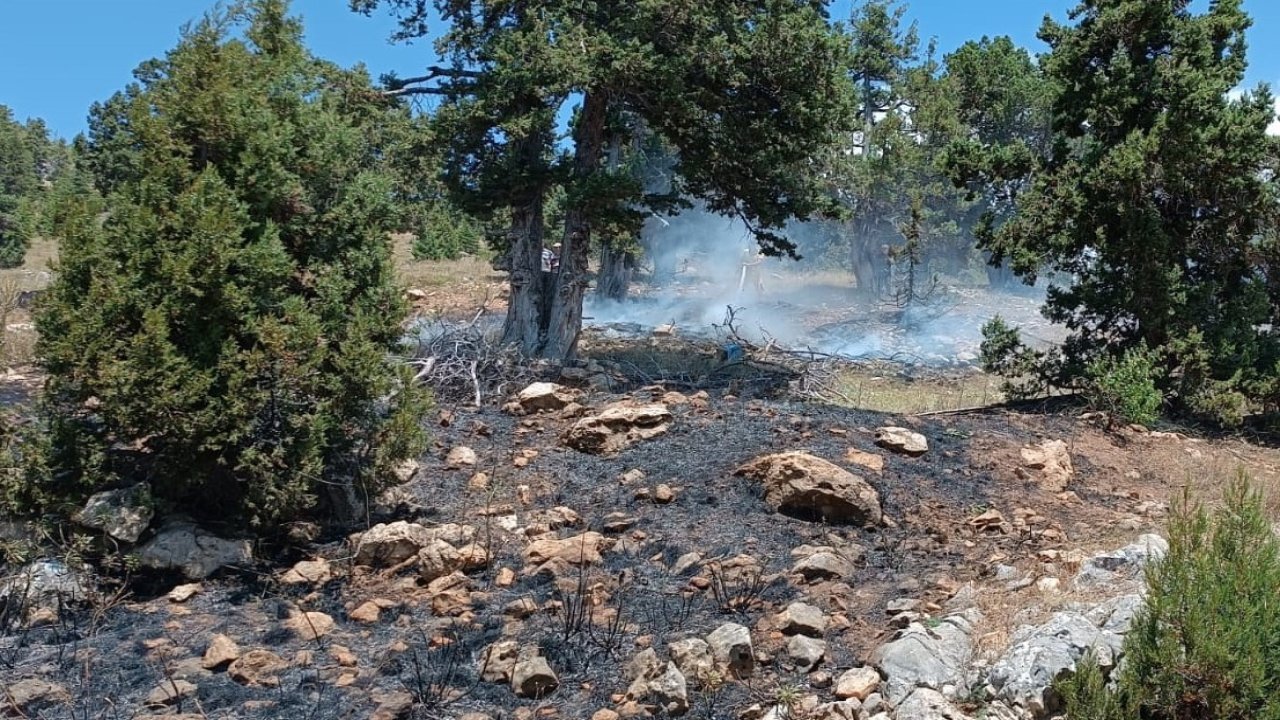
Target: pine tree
(225,332)
(1156,198)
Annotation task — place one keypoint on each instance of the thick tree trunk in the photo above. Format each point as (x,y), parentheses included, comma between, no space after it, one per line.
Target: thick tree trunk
(526,315)
(614,279)
(571,282)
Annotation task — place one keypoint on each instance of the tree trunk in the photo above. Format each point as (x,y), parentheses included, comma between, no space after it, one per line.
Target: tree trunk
(525,309)
(571,282)
(614,278)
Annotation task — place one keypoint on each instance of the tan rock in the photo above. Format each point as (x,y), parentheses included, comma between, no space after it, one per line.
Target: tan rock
(474,556)
(183,593)
(542,397)
(367,613)
(170,692)
(857,683)
(221,651)
(257,667)
(498,661)
(663,494)
(309,625)
(308,572)
(532,677)
(576,550)
(461,456)
(618,426)
(1053,460)
(343,656)
(808,487)
(802,619)
(870,461)
(902,441)
(438,559)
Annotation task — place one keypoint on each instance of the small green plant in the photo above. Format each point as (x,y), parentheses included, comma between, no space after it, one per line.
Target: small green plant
(1125,387)
(1207,643)
(1024,371)
(445,233)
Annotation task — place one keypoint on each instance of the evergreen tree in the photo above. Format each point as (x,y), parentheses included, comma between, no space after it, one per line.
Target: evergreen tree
(744,91)
(30,162)
(225,332)
(1156,197)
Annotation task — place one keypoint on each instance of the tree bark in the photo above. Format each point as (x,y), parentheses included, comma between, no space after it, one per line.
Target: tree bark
(571,282)
(614,278)
(525,316)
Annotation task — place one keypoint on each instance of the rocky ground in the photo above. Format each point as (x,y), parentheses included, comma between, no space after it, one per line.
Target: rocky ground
(580,554)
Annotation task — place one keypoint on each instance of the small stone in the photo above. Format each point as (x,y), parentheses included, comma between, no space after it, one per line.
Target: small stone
(1048,584)
(474,557)
(478,481)
(823,565)
(221,651)
(870,461)
(802,619)
(903,441)
(693,657)
(343,656)
(309,625)
(461,456)
(857,683)
(663,494)
(806,652)
(498,662)
(170,692)
(506,577)
(257,667)
(367,613)
(183,593)
(306,572)
(532,677)
(731,647)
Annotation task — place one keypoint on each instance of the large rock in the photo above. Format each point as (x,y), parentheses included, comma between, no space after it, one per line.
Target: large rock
(731,647)
(180,545)
(43,584)
(438,559)
(541,397)
(902,441)
(576,550)
(124,514)
(929,657)
(1127,563)
(26,697)
(1039,656)
(693,657)
(656,683)
(806,652)
(1052,459)
(808,487)
(802,619)
(617,427)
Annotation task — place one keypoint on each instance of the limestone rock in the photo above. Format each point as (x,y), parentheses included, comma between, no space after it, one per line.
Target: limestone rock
(617,427)
(802,619)
(366,613)
(693,657)
(808,487)
(498,661)
(180,545)
(532,677)
(806,652)
(825,564)
(656,683)
(222,650)
(184,592)
(389,544)
(927,704)
(731,647)
(576,550)
(1127,563)
(438,559)
(930,657)
(1053,460)
(461,456)
(902,441)
(857,683)
(541,397)
(43,584)
(308,572)
(1038,656)
(124,514)
(170,692)
(257,667)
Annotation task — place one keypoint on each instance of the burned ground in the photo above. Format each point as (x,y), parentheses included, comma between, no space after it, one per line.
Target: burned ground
(590,623)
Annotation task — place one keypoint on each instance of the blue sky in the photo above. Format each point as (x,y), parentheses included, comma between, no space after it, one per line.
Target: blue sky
(59,56)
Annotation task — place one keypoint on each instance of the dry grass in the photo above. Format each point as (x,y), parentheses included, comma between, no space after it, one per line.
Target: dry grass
(882,390)
(17,345)
(451,287)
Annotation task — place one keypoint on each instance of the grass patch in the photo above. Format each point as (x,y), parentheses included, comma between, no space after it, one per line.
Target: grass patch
(883,389)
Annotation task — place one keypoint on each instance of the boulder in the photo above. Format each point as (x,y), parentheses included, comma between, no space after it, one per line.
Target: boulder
(124,514)
(532,677)
(1039,656)
(1053,460)
(653,682)
(929,657)
(181,545)
(541,397)
(617,427)
(810,488)
(902,441)
(1127,563)
(389,544)
(43,584)
(731,647)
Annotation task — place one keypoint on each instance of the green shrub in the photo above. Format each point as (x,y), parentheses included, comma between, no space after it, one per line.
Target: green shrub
(1126,387)
(225,332)
(1207,643)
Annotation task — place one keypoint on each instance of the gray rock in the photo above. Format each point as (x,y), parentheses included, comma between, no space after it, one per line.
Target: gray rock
(43,584)
(180,545)
(808,487)
(802,619)
(670,691)
(839,710)
(823,565)
(731,647)
(438,559)
(1125,564)
(1038,656)
(806,652)
(929,657)
(901,440)
(693,657)
(927,704)
(124,514)
(532,677)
